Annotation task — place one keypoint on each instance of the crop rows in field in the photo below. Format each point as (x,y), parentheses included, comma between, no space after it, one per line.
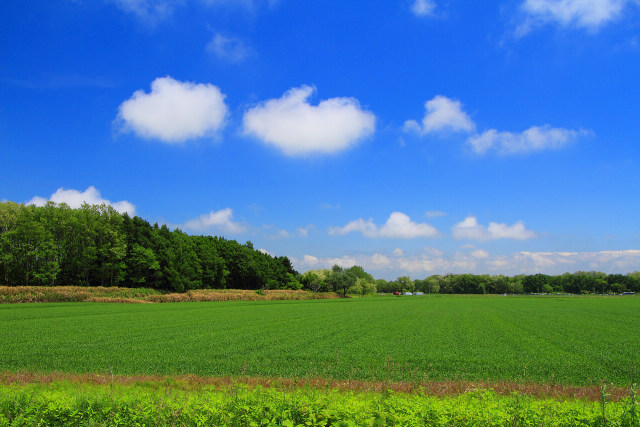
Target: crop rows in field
(550,340)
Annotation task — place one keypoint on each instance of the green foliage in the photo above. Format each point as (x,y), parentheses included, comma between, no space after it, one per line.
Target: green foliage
(237,405)
(97,246)
(341,280)
(561,340)
(363,287)
(580,282)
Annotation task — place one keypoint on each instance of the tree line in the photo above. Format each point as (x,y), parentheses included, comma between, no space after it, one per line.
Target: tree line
(97,246)
(581,282)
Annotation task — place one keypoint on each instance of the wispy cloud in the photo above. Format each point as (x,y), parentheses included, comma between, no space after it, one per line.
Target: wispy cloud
(434,214)
(479,262)
(148,11)
(228,48)
(62,81)
(536,138)
(470,229)
(423,7)
(221,220)
(588,14)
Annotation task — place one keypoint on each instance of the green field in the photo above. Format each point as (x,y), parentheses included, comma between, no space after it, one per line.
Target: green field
(568,340)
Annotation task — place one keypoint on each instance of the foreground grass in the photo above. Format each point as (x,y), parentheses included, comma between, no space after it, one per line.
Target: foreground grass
(27,294)
(163,404)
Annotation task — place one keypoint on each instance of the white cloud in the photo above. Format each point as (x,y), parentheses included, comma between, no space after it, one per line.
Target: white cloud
(74,199)
(398,226)
(304,231)
(442,114)
(470,229)
(433,251)
(250,5)
(222,220)
(481,262)
(174,111)
(536,138)
(558,262)
(398,252)
(298,128)
(380,260)
(310,260)
(153,11)
(589,14)
(480,253)
(228,48)
(434,214)
(281,234)
(423,7)
(149,11)
(368,228)
(264,251)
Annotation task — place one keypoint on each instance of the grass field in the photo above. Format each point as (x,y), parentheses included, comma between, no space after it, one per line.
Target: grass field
(566,340)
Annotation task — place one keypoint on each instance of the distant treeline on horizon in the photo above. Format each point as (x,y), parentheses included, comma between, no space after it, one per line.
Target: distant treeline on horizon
(97,246)
(581,282)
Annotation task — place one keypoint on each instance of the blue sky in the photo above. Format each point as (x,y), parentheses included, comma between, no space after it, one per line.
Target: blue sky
(410,137)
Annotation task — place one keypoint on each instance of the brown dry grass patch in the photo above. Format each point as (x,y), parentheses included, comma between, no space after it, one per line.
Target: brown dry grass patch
(435,388)
(30,294)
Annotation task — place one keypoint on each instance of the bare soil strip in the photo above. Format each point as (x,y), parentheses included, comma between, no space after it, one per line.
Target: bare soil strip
(439,388)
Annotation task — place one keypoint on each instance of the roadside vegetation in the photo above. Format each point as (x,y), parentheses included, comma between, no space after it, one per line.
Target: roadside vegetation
(26,294)
(148,404)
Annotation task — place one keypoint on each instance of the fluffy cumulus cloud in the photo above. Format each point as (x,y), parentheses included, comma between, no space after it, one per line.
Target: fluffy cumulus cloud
(442,114)
(221,220)
(298,128)
(470,229)
(75,198)
(228,48)
(590,14)
(536,138)
(398,226)
(174,111)
(423,7)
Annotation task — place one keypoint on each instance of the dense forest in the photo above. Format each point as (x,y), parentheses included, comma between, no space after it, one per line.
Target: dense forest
(97,246)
